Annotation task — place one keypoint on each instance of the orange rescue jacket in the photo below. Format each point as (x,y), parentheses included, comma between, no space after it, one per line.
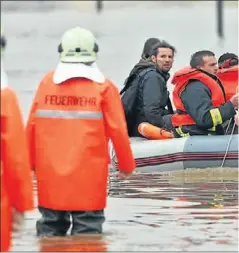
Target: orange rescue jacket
(229,79)
(16,180)
(68,130)
(181,79)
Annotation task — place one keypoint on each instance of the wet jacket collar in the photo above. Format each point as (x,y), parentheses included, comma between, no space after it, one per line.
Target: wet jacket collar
(65,71)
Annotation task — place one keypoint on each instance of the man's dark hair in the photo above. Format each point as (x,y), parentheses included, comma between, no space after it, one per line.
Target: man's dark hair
(148,45)
(197,58)
(226,56)
(162,44)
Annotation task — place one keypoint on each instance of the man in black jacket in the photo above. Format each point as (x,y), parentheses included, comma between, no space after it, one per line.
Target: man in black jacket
(150,76)
(197,98)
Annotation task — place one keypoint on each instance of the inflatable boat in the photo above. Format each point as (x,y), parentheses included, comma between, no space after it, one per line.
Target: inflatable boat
(182,153)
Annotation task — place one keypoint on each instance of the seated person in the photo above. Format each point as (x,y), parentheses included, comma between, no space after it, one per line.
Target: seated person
(199,98)
(228,75)
(146,89)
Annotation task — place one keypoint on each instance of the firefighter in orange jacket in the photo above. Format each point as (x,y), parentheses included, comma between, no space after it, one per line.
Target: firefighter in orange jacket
(199,98)
(75,112)
(16,181)
(228,74)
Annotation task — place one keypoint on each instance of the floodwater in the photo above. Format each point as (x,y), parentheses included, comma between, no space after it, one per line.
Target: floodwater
(192,210)
(178,211)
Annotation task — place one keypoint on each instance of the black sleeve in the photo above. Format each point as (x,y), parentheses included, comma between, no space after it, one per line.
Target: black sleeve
(153,92)
(197,101)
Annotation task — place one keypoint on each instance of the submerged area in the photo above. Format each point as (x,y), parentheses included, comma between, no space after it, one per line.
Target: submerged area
(191,210)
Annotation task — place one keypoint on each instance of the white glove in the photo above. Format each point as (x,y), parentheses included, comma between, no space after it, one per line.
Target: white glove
(17,220)
(234,100)
(236,119)
(123,175)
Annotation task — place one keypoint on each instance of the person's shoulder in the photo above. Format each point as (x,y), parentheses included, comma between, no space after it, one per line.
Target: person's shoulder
(8,92)
(109,84)
(9,100)
(48,75)
(154,76)
(195,83)
(150,73)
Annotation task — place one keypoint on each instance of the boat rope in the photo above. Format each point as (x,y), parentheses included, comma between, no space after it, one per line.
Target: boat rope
(228,145)
(229,123)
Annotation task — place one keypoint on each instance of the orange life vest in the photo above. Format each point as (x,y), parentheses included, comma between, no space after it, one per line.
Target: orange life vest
(68,131)
(16,180)
(180,80)
(229,79)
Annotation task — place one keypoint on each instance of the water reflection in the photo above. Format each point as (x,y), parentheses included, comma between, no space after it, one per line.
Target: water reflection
(190,210)
(176,211)
(88,243)
(210,187)
(209,194)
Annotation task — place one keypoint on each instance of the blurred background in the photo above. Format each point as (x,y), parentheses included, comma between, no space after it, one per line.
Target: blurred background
(184,211)
(34,30)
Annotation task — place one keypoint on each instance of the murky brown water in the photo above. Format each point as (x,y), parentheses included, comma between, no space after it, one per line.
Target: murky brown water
(178,211)
(175,211)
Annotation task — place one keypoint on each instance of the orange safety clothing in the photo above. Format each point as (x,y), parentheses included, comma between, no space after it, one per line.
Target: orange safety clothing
(181,80)
(16,180)
(68,130)
(229,79)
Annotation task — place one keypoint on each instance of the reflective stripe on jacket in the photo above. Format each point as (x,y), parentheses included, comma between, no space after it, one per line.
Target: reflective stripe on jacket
(68,131)
(180,80)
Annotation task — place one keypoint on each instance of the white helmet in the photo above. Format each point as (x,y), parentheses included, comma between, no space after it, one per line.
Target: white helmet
(78,45)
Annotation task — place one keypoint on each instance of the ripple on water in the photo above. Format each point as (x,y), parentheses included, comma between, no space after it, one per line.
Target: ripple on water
(188,210)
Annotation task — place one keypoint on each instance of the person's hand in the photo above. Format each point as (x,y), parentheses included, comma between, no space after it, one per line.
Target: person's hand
(17,220)
(123,175)
(234,100)
(236,119)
